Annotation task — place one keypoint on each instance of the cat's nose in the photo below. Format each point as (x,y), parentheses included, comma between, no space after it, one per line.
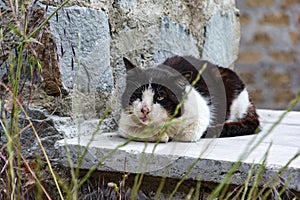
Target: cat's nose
(145,110)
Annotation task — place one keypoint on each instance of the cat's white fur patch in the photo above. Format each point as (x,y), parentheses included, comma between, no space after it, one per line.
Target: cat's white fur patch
(195,116)
(239,106)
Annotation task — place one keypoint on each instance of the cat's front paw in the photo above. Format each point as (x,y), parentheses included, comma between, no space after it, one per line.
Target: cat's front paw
(164,138)
(161,138)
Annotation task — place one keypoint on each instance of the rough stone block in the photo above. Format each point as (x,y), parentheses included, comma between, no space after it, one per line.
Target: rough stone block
(45,129)
(83,105)
(173,40)
(125,4)
(222,38)
(83,47)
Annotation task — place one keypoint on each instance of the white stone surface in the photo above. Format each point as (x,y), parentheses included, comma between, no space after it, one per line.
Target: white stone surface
(222,38)
(217,155)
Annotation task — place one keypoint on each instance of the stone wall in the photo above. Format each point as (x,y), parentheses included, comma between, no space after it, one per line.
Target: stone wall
(84,43)
(91,38)
(269,57)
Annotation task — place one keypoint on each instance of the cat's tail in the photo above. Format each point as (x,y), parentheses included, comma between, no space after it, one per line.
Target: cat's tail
(248,125)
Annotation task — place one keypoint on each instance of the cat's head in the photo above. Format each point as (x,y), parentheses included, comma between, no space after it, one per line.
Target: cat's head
(152,95)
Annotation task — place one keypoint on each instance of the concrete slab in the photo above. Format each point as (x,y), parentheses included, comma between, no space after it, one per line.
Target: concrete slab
(212,157)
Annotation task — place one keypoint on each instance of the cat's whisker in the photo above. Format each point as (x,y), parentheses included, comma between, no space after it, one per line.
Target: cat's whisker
(129,112)
(131,124)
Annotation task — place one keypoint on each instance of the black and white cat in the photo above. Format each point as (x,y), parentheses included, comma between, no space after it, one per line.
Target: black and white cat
(173,101)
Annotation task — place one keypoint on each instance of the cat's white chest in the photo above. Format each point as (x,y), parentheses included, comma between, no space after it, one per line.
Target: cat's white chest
(195,117)
(195,106)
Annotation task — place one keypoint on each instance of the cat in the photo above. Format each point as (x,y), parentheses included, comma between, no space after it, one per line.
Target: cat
(173,101)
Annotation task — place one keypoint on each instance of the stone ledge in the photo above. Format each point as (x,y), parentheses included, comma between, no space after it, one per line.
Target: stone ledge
(173,159)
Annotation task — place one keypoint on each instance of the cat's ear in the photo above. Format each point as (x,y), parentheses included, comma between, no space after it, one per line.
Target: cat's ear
(184,79)
(188,75)
(129,66)
(180,81)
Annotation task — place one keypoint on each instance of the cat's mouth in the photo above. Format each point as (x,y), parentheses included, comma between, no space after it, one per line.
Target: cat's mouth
(144,119)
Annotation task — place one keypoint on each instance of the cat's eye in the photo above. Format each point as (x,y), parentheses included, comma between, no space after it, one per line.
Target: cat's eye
(159,98)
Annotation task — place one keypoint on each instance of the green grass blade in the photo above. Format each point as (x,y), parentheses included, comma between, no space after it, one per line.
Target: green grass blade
(251,147)
(250,175)
(47,19)
(274,180)
(258,176)
(198,187)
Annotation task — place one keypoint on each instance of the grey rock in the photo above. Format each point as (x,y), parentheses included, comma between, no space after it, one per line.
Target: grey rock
(222,38)
(174,40)
(4,5)
(76,127)
(4,70)
(45,130)
(124,4)
(83,47)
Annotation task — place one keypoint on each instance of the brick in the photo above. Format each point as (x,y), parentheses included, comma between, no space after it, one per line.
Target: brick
(244,19)
(294,36)
(288,3)
(277,18)
(262,38)
(258,3)
(276,79)
(250,56)
(297,17)
(283,95)
(280,56)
